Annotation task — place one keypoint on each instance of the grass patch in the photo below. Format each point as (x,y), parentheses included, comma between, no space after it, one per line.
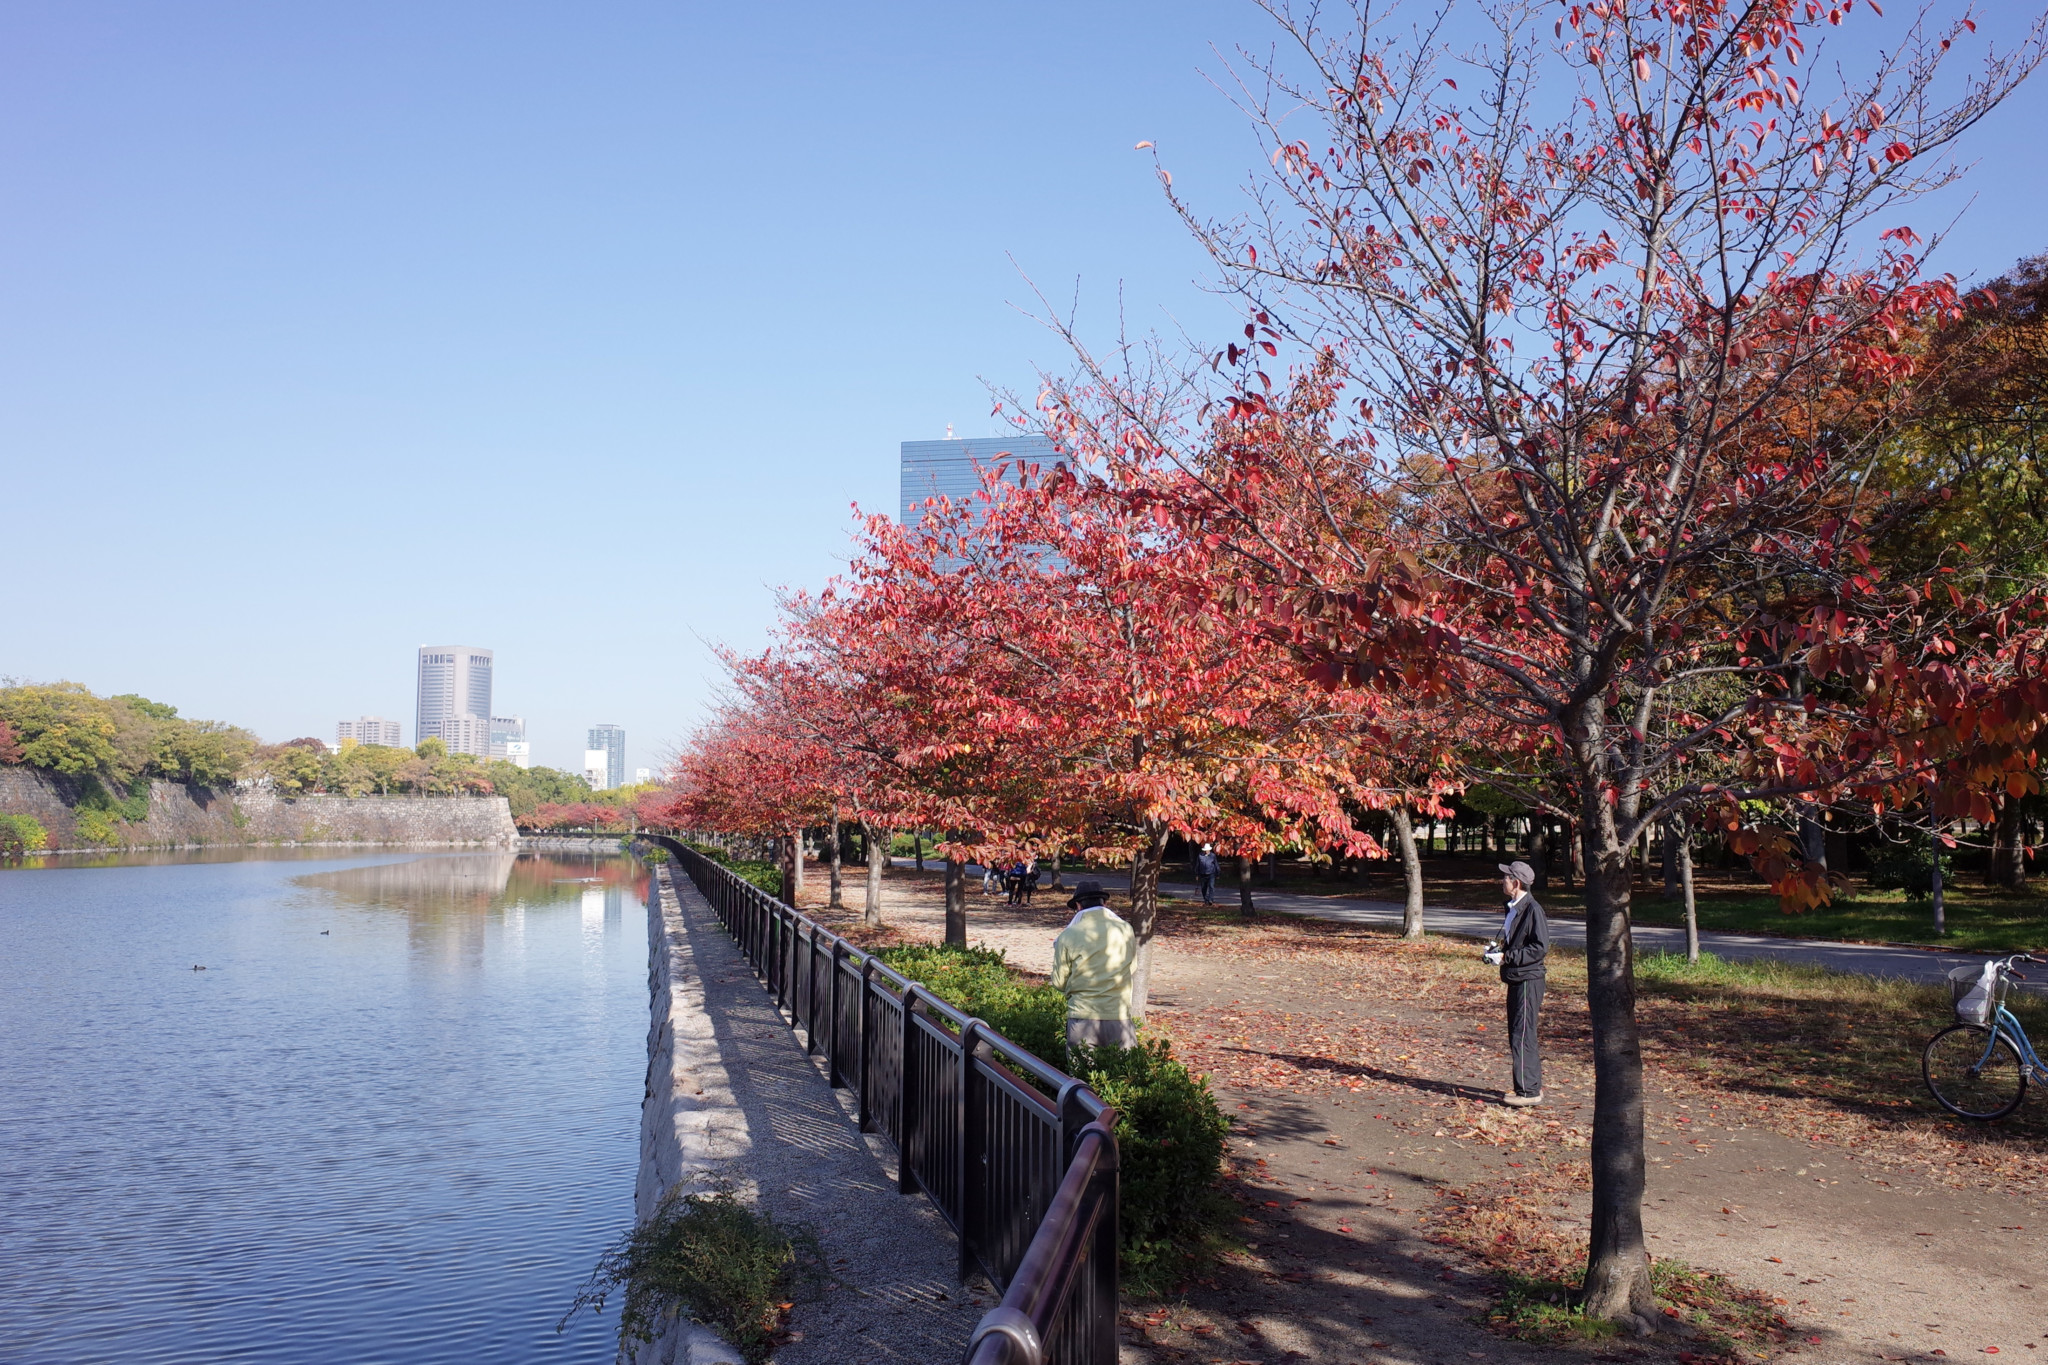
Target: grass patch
(707,1256)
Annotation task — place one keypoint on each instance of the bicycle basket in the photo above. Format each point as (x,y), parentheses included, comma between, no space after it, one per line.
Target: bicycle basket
(1978,990)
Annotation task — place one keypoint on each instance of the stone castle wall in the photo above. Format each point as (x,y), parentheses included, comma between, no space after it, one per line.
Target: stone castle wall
(182,816)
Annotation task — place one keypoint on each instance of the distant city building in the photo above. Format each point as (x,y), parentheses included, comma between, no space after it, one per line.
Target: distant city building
(455,698)
(370,730)
(596,763)
(508,740)
(610,742)
(935,469)
(642,776)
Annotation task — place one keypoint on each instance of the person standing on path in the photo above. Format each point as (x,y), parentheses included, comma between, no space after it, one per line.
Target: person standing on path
(1207,869)
(1523,946)
(1095,964)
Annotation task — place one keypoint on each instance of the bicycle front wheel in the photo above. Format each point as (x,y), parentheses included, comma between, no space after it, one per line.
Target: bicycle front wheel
(1973,1073)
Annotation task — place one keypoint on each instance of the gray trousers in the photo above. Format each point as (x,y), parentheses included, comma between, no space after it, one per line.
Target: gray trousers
(1525,1002)
(1100,1033)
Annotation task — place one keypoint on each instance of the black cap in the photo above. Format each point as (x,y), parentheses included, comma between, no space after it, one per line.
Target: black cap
(1088,892)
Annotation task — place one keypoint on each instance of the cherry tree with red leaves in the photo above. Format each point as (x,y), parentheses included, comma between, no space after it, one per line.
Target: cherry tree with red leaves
(1606,320)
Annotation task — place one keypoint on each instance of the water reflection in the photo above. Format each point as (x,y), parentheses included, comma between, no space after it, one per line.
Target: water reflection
(394,1120)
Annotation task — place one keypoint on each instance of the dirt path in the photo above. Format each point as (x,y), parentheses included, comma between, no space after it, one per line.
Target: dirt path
(1365,1081)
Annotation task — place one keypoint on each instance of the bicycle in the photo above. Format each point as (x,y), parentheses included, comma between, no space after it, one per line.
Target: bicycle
(1979,1066)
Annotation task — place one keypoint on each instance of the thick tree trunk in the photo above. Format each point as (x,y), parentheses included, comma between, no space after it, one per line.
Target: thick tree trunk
(786,855)
(2008,865)
(956,900)
(1245,907)
(1054,884)
(1813,836)
(1411,871)
(837,900)
(1617,1266)
(877,841)
(1144,914)
(796,865)
(917,847)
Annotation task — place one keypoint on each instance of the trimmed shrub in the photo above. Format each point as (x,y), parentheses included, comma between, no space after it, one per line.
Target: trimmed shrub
(1907,867)
(1169,1130)
(1169,1136)
(981,982)
(763,876)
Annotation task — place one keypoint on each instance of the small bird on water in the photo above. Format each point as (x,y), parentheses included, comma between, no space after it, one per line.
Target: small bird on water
(197,968)
(326,931)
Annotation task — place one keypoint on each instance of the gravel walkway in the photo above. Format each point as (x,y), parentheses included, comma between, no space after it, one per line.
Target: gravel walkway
(752,1108)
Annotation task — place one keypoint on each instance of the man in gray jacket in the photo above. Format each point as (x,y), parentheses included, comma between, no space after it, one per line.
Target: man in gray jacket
(1520,952)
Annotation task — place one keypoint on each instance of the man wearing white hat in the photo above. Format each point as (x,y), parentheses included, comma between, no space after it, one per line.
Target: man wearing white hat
(1520,952)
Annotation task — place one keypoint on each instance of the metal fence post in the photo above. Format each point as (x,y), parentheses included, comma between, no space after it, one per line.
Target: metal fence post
(864,1081)
(1103,1255)
(972,1140)
(832,1077)
(906,1106)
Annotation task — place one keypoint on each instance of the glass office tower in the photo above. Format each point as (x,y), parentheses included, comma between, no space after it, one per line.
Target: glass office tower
(934,469)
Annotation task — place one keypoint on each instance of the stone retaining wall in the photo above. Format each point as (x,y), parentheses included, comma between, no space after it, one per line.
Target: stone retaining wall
(181,816)
(690,1125)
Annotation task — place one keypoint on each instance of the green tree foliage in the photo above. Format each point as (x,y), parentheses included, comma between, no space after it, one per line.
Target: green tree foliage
(21,834)
(1976,437)
(62,727)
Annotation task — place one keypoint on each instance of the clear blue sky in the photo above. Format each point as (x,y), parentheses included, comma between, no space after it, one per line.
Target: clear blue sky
(328,331)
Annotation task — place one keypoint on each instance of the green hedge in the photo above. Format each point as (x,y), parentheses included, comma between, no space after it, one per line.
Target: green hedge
(1170,1131)
(765,876)
(980,982)
(1169,1136)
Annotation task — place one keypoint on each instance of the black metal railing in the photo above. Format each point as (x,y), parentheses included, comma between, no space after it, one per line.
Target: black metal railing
(1019,1156)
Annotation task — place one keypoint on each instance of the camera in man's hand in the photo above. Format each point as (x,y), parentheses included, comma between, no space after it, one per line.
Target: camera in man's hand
(1492,956)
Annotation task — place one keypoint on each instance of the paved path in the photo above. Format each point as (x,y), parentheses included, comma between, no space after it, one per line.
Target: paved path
(1871,959)
(733,1097)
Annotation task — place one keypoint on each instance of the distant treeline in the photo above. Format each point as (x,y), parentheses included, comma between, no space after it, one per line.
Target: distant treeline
(113,746)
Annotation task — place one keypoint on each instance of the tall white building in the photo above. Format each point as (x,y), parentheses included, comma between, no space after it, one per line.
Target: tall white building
(370,730)
(455,698)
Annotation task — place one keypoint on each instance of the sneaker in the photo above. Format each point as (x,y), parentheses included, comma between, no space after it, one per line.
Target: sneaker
(1514,1101)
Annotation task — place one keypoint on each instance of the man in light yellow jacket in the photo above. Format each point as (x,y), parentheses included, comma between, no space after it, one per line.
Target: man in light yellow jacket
(1095,962)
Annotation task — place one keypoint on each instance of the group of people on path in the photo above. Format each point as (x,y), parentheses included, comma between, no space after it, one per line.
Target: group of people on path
(1095,964)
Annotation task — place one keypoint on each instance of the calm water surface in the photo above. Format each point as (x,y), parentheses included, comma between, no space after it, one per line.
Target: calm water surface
(404,1139)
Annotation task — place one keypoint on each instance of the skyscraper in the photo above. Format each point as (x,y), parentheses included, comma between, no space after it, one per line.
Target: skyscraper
(934,469)
(508,741)
(370,730)
(610,741)
(455,698)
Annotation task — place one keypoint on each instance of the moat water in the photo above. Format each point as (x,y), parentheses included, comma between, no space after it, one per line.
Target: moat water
(395,1119)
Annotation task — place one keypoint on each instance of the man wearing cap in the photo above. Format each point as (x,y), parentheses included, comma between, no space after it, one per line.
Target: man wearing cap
(1094,962)
(1520,952)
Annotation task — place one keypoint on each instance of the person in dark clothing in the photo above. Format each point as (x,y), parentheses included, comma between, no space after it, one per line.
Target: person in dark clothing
(1520,951)
(1207,867)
